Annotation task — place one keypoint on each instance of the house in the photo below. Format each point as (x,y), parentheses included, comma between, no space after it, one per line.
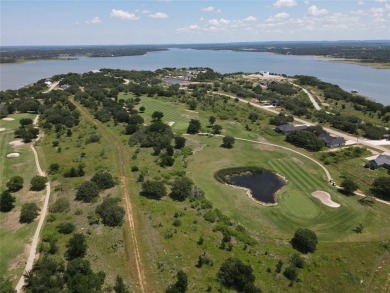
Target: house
(379,161)
(285,128)
(331,141)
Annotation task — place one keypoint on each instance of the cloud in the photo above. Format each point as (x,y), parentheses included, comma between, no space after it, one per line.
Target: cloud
(95,20)
(211,9)
(285,3)
(250,18)
(146,12)
(190,28)
(381,1)
(315,11)
(307,2)
(360,3)
(124,15)
(158,15)
(278,17)
(221,22)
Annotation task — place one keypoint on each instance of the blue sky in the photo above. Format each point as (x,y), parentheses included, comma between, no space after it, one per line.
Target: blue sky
(87,22)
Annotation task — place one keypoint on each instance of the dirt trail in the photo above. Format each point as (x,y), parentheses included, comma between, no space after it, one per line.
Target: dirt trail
(119,148)
(34,244)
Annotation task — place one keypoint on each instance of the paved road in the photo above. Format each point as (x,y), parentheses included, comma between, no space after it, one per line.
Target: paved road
(34,244)
(331,131)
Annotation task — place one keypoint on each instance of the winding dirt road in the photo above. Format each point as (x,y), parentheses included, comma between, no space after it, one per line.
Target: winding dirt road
(34,244)
(120,154)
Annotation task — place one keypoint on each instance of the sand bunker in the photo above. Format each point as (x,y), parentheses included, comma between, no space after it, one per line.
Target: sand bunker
(13,155)
(16,142)
(325,198)
(8,119)
(2,129)
(170,123)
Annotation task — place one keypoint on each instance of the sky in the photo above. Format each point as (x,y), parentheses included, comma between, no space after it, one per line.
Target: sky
(119,22)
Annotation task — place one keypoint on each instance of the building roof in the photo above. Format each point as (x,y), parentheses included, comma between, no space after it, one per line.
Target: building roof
(289,127)
(330,140)
(381,160)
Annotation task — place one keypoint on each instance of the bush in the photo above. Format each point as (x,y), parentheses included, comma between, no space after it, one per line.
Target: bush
(38,183)
(381,187)
(15,183)
(194,126)
(180,142)
(76,247)
(61,205)
(166,160)
(228,142)
(103,180)
(134,169)
(153,189)
(210,216)
(29,212)
(291,273)
(6,201)
(181,189)
(54,167)
(304,240)
(87,191)
(66,228)
(110,212)
(349,186)
(297,261)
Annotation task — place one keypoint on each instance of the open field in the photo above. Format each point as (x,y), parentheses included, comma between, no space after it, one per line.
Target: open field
(14,236)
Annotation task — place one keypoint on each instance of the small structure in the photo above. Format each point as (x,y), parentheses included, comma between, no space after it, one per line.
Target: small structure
(331,141)
(381,161)
(285,128)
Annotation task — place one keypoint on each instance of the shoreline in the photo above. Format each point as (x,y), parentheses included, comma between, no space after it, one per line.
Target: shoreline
(353,61)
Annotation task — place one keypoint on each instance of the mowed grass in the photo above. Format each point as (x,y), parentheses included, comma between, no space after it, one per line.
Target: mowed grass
(13,235)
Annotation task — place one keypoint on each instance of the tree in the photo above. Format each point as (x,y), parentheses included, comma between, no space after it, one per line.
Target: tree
(212,120)
(61,205)
(166,160)
(6,285)
(194,126)
(25,121)
(228,142)
(53,168)
(80,278)
(15,183)
(142,109)
(234,274)
(381,187)
(103,180)
(6,201)
(38,183)
(29,212)
(110,212)
(217,129)
(120,286)
(157,115)
(180,142)
(305,139)
(65,228)
(153,189)
(181,189)
(87,191)
(291,273)
(181,284)
(76,247)
(349,186)
(304,240)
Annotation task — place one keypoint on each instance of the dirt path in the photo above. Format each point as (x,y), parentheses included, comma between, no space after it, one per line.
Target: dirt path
(313,101)
(34,244)
(327,129)
(121,160)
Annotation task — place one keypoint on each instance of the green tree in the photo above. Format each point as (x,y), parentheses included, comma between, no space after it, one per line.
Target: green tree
(76,247)
(153,189)
(6,201)
(110,212)
(87,191)
(80,278)
(228,142)
(166,160)
(103,180)
(15,183)
(217,129)
(65,228)
(157,115)
(53,168)
(29,212)
(61,205)
(304,240)
(25,121)
(181,284)
(180,142)
(194,126)
(181,189)
(349,186)
(212,120)
(381,187)
(6,285)
(291,273)
(120,286)
(38,183)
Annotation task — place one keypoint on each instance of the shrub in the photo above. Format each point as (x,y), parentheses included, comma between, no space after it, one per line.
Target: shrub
(304,240)
(103,180)
(134,169)
(87,191)
(61,205)
(228,142)
(381,187)
(29,212)
(38,183)
(66,228)
(181,189)
(76,247)
(153,189)
(15,183)
(6,201)
(291,273)
(110,212)
(54,167)
(298,261)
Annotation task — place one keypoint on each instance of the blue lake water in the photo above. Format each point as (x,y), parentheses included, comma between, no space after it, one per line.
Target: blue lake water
(370,82)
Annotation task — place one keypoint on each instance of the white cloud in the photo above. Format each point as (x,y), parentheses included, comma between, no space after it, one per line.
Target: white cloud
(124,15)
(250,18)
(381,1)
(315,11)
(146,12)
(307,2)
(158,15)
(360,3)
(95,20)
(285,3)
(221,22)
(278,17)
(190,28)
(211,9)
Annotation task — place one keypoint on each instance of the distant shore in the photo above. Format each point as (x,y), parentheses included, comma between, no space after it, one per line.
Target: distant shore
(355,61)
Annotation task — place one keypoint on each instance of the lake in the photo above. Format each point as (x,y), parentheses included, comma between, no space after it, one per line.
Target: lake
(370,82)
(263,186)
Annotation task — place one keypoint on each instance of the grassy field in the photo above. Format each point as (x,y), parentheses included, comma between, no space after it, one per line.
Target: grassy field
(14,236)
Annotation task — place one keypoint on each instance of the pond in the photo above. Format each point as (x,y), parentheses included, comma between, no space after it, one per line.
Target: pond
(263,186)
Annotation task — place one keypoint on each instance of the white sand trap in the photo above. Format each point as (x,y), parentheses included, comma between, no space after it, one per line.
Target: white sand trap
(16,142)
(13,155)
(8,119)
(325,198)
(170,123)
(2,129)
